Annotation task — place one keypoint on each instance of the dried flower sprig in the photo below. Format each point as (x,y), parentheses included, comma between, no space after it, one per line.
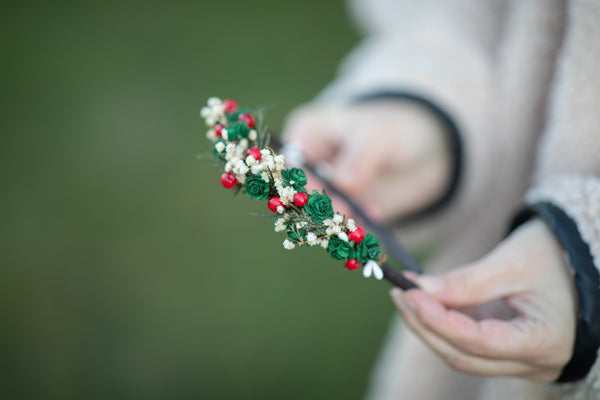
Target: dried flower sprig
(250,166)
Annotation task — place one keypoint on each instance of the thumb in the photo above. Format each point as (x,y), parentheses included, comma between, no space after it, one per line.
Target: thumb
(493,277)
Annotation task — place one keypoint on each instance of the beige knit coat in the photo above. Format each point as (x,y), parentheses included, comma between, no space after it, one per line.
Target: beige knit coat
(522,81)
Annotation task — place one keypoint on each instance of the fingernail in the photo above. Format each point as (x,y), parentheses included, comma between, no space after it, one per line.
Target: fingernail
(431,284)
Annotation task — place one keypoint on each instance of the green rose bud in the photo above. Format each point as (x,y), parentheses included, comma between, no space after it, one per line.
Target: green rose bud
(257,188)
(368,249)
(295,178)
(339,249)
(319,207)
(237,130)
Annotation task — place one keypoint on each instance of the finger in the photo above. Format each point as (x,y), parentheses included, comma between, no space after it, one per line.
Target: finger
(490,338)
(455,357)
(493,277)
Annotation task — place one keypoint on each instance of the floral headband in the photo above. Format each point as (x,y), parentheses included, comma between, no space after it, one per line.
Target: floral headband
(241,144)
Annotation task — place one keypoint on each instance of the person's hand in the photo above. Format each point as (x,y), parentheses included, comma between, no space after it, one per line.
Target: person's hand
(391,157)
(529,272)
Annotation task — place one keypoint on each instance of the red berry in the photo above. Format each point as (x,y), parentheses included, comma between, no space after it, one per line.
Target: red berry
(352,264)
(300,199)
(230,105)
(274,202)
(357,235)
(228,180)
(254,152)
(219,130)
(247,118)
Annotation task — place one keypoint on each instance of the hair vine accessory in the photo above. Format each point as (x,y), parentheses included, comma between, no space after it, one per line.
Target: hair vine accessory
(241,144)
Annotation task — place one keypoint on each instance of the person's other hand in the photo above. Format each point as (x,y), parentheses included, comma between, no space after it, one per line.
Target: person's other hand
(391,157)
(529,272)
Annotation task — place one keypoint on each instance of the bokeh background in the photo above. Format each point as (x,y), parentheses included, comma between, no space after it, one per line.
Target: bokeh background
(126,270)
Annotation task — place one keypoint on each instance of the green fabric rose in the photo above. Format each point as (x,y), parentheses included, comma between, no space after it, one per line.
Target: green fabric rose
(295,178)
(237,130)
(368,249)
(319,207)
(257,188)
(339,249)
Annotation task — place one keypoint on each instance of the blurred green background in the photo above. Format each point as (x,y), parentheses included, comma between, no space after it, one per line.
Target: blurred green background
(127,271)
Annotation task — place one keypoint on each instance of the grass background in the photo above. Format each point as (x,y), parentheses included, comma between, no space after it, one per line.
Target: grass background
(126,271)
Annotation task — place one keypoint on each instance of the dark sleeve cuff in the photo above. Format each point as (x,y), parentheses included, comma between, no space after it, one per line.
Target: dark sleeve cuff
(587,281)
(454,141)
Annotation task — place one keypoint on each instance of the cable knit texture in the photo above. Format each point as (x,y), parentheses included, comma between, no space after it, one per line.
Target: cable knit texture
(522,81)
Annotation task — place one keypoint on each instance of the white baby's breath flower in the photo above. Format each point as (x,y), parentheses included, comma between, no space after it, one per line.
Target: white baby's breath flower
(280,209)
(224,134)
(311,238)
(211,135)
(351,225)
(265,176)
(286,194)
(324,243)
(256,169)
(338,218)
(279,161)
(214,101)
(270,163)
(205,112)
(336,229)
(280,225)
(327,222)
(265,153)
(211,121)
(241,179)
(252,135)
(343,236)
(288,244)
(242,169)
(301,224)
(277,182)
(230,149)
(220,146)
(250,160)
(228,166)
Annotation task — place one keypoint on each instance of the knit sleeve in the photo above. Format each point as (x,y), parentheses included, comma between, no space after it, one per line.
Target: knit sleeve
(441,51)
(568,165)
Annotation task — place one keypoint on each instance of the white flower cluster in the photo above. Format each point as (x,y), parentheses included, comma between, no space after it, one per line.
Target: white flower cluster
(335,227)
(214,112)
(234,158)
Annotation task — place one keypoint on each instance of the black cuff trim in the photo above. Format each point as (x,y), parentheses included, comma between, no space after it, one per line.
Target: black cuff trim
(454,140)
(587,281)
